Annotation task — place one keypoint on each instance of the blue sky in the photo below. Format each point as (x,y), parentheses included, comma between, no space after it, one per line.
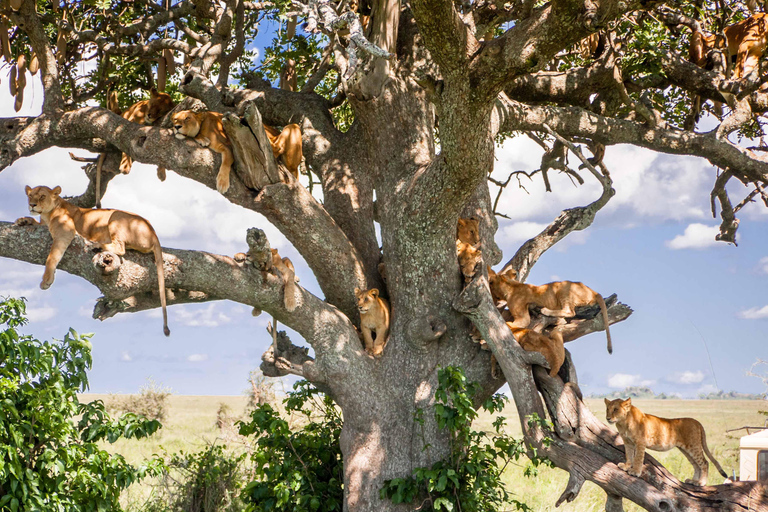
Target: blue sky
(653,244)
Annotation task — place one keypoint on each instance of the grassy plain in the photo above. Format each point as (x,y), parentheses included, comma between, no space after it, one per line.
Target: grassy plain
(191,425)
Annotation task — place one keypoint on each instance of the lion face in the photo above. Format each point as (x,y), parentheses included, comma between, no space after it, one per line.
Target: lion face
(617,410)
(468,231)
(159,105)
(366,299)
(185,123)
(42,199)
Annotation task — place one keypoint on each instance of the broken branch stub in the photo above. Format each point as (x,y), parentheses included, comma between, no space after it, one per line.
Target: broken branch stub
(259,252)
(256,164)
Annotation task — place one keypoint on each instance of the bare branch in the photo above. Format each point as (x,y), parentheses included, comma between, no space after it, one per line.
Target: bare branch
(321,12)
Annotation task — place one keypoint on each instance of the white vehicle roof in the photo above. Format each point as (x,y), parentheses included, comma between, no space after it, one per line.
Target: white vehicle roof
(756,441)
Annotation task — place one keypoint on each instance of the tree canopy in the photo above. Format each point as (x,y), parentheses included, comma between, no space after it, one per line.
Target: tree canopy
(400,105)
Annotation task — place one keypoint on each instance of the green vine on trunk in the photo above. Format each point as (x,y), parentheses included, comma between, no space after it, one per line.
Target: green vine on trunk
(470,479)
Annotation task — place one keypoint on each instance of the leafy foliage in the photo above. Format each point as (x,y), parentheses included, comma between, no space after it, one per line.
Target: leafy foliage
(207,481)
(49,460)
(297,470)
(470,478)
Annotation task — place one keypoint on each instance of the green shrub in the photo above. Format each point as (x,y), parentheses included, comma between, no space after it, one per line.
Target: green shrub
(207,481)
(297,470)
(49,460)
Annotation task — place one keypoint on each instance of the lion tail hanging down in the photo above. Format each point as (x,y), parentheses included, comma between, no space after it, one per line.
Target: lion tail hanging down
(604,311)
(157,250)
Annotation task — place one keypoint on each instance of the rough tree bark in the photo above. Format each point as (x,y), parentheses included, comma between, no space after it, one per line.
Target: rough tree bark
(421,72)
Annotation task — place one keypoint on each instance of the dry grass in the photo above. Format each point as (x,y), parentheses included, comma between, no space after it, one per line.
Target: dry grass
(191,423)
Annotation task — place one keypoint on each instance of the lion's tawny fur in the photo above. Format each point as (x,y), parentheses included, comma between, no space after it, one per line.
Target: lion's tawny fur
(286,143)
(551,347)
(642,431)
(746,43)
(111,230)
(285,266)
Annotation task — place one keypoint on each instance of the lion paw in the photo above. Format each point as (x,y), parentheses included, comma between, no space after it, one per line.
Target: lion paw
(25,221)
(222,183)
(204,141)
(46,282)
(623,466)
(635,472)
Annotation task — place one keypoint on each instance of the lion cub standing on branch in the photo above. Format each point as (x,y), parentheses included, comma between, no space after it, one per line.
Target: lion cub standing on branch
(640,431)
(558,299)
(374,318)
(111,230)
(207,130)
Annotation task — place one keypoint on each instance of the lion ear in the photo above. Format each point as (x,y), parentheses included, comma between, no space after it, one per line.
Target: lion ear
(153,92)
(27,189)
(357,291)
(56,191)
(374,292)
(606,401)
(628,402)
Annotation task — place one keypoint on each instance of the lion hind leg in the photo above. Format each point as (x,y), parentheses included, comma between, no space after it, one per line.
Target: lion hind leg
(116,246)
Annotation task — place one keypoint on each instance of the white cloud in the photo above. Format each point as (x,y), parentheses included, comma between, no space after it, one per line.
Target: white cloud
(754,313)
(41,314)
(197,358)
(196,316)
(519,232)
(125,356)
(623,380)
(687,377)
(696,236)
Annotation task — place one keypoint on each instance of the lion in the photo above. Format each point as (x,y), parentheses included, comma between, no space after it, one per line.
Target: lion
(207,130)
(558,299)
(374,317)
(286,143)
(746,43)
(468,231)
(640,431)
(109,230)
(470,257)
(551,347)
(146,112)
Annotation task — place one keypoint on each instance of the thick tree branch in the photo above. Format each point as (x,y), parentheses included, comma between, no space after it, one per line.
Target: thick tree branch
(449,41)
(532,42)
(210,274)
(577,122)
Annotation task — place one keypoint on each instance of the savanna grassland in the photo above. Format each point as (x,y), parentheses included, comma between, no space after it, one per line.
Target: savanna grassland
(190,425)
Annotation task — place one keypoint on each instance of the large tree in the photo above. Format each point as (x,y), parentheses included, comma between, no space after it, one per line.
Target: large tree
(400,105)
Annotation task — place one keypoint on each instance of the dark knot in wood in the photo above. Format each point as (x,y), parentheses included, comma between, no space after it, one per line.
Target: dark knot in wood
(106,262)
